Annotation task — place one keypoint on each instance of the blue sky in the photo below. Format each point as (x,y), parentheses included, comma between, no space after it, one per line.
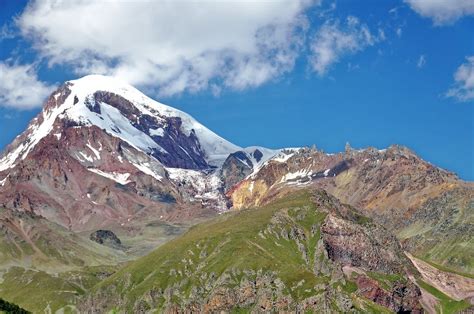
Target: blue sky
(325,73)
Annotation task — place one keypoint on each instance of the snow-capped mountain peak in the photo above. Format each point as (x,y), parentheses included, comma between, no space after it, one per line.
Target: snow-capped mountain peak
(168,134)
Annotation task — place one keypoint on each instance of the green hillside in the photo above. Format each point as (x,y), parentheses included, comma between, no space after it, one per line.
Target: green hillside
(305,252)
(267,258)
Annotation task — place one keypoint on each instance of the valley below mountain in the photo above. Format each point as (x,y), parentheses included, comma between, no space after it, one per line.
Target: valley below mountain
(113,202)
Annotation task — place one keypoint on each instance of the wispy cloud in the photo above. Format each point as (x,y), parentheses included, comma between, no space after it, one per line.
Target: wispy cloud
(20,87)
(335,40)
(7,31)
(421,61)
(463,89)
(399,32)
(442,12)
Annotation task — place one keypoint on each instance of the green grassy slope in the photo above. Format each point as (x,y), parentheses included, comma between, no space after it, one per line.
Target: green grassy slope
(250,260)
(229,242)
(442,231)
(446,304)
(31,241)
(10,308)
(213,260)
(45,266)
(38,291)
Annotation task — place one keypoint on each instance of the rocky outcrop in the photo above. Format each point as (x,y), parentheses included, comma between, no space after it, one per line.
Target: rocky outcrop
(235,168)
(403,298)
(354,241)
(369,179)
(363,246)
(107,238)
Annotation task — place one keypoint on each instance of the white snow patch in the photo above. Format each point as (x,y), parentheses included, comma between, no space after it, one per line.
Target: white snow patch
(35,134)
(267,153)
(157,132)
(95,151)
(326,172)
(206,185)
(246,162)
(115,124)
(251,186)
(2,182)
(58,136)
(121,178)
(282,157)
(296,175)
(86,157)
(147,169)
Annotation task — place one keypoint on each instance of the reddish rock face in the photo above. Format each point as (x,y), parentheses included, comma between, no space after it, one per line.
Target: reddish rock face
(354,241)
(235,168)
(402,298)
(370,179)
(56,182)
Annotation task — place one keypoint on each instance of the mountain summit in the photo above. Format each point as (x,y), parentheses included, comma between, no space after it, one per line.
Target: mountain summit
(169,135)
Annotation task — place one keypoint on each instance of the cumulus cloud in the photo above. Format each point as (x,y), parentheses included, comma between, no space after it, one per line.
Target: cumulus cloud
(20,87)
(463,89)
(442,11)
(173,46)
(335,40)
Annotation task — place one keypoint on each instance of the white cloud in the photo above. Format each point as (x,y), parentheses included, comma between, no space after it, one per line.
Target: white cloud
(442,11)
(171,46)
(20,87)
(6,32)
(463,89)
(399,32)
(335,39)
(421,61)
